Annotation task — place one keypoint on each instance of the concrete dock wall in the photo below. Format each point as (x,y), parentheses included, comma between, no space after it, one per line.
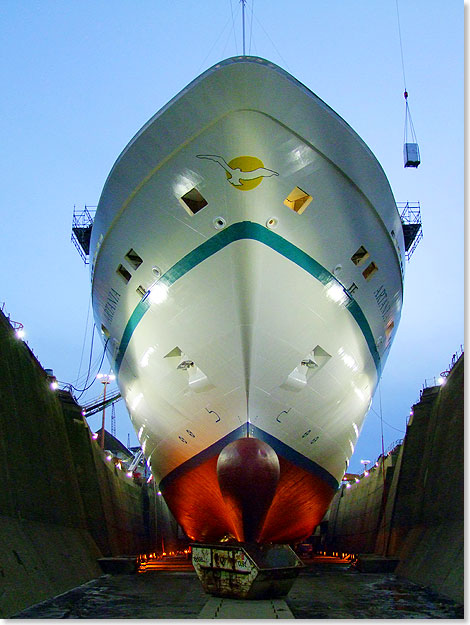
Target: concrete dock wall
(120,515)
(426,514)
(416,513)
(62,505)
(356,513)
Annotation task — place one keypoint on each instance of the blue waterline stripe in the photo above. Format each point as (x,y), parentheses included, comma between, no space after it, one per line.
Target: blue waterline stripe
(206,454)
(279,447)
(256,232)
(294,456)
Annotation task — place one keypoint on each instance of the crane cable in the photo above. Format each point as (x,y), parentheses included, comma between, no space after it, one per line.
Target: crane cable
(408,121)
(401,50)
(84,341)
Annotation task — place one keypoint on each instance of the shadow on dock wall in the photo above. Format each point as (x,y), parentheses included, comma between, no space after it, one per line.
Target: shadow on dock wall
(62,506)
(413,510)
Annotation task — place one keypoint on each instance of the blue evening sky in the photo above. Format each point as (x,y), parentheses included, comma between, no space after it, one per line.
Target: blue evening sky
(80,77)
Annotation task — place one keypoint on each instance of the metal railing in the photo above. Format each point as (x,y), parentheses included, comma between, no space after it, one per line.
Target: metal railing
(440,380)
(82,223)
(93,408)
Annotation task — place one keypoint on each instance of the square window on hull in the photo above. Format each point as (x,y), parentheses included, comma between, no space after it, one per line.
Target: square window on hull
(193,201)
(133,259)
(360,257)
(298,200)
(125,275)
(370,270)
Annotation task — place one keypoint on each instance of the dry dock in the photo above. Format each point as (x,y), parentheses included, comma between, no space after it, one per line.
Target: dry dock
(327,588)
(63,507)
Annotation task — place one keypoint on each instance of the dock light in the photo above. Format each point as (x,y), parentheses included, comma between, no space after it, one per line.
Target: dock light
(348,485)
(357,480)
(105,379)
(129,474)
(366,473)
(441,380)
(351,363)
(94,436)
(158,293)
(336,293)
(144,361)
(159,492)
(20,333)
(109,458)
(54,385)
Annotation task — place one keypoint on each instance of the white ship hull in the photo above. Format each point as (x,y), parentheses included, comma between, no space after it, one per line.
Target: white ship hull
(257,320)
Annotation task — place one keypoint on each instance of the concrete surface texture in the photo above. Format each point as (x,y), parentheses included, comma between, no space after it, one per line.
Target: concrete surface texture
(44,544)
(356,512)
(415,514)
(217,608)
(61,505)
(427,520)
(326,589)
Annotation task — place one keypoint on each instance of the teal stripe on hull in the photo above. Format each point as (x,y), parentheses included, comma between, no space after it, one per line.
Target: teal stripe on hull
(255,232)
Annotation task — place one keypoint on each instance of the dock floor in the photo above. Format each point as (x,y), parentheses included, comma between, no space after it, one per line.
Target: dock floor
(325,589)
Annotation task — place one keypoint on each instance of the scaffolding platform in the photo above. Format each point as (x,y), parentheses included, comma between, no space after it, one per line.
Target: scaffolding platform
(82,223)
(410,215)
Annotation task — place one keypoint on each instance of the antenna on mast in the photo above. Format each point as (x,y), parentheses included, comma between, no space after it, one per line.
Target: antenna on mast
(243,23)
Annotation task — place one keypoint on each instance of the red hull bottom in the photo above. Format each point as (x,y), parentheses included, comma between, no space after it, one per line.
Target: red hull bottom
(299,503)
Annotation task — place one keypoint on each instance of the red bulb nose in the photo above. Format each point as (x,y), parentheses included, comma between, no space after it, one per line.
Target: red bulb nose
(248,472)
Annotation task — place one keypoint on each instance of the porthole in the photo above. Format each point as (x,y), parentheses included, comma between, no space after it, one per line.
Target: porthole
(219,223)
(156,272)
(272,223)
